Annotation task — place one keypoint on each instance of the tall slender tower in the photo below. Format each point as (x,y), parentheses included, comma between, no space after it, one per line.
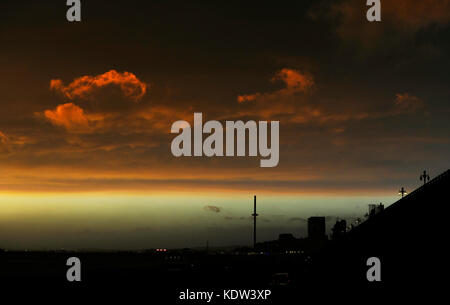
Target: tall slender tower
(254,221)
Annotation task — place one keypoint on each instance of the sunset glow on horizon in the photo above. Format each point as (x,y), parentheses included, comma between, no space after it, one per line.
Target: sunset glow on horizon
(87,109)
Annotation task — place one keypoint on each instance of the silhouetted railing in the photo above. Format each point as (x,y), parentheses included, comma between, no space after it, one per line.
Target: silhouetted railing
(429,183)
(398,203)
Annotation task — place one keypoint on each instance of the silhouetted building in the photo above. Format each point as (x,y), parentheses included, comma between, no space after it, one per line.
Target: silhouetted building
(375,209)
(286,236)
(285,244)
(316,228)
(339,229)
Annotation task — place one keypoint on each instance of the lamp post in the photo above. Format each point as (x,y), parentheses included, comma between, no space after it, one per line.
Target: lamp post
(424,177)
(254,221)
(402,192)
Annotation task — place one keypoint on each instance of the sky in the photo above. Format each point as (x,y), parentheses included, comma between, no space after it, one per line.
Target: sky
(85,159)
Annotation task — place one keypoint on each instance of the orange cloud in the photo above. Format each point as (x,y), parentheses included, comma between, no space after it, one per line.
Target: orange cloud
(9,142)
(81,87)
(143,120)
(247,97)
(69,116)
(4,143)
(295,82)
(408,103)
(159,117)
(3,138)
(76,120)
(288,105)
